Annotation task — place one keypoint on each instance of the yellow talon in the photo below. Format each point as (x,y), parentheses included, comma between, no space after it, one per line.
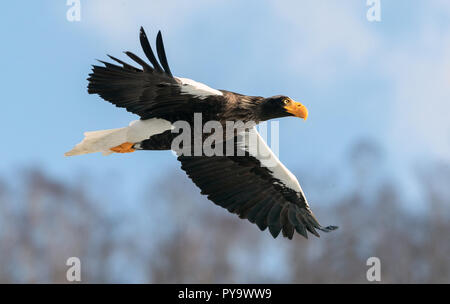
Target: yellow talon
(126,147)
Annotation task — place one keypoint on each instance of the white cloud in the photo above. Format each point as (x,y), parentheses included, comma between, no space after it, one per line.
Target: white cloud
(441,5)
(331,35)
(420,74)
(120,20)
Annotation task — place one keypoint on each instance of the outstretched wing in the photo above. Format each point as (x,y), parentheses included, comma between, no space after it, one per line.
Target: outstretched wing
(152,90)
(255,186)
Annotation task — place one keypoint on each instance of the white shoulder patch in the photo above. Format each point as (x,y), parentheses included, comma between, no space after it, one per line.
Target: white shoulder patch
(257,147)
(195,88)
(140,130)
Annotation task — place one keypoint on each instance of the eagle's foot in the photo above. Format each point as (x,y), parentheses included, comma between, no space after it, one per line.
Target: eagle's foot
(126,147)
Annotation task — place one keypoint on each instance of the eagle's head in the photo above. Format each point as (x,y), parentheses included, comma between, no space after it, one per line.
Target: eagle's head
(281,106)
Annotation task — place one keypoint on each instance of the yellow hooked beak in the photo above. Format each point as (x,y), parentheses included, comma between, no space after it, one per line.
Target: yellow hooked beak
(296,109)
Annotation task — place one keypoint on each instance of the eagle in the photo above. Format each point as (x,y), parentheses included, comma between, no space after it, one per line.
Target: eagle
(249,182)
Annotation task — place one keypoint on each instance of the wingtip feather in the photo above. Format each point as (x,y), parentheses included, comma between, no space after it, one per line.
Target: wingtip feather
(145,44)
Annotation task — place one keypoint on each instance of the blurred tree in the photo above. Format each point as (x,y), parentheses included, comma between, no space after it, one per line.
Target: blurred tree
(181,237)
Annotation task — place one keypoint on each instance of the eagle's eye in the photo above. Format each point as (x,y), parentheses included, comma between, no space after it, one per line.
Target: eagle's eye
(286,101)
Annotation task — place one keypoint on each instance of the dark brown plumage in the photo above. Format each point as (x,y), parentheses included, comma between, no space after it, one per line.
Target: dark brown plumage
(269,197)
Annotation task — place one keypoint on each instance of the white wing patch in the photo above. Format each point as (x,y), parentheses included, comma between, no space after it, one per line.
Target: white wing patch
(198,89)
(257,147)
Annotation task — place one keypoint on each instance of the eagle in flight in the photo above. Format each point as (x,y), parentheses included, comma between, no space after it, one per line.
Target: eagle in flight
(254,185)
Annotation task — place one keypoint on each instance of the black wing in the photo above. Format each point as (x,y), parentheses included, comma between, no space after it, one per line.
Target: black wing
(243,186)
(152,90)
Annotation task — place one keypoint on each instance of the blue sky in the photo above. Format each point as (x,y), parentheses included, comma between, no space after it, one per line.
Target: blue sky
(387,81)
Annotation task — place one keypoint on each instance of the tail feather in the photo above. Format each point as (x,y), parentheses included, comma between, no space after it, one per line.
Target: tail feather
(99,141)
(105,140)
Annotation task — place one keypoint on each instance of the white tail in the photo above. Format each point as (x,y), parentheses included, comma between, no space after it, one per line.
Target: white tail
(104,140)
(99,141)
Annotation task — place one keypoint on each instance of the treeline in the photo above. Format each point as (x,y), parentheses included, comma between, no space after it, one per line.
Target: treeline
(174,235)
